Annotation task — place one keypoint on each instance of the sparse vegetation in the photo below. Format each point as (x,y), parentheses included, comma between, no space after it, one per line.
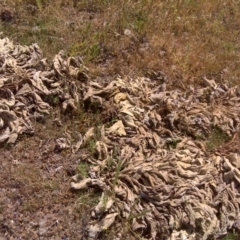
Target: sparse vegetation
(117,172)
(231,236)
(91,146)
(86,199)
(216,138)
(185,39)
(83,170)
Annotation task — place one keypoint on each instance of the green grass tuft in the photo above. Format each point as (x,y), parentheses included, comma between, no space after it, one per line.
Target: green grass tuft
(216,138)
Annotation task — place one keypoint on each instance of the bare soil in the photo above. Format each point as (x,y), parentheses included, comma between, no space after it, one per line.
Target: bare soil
(35,199)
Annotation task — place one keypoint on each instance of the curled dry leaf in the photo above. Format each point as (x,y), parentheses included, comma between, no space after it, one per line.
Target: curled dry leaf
(103,225)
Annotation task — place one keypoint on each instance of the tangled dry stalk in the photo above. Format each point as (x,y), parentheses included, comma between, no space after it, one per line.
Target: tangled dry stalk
(161,177)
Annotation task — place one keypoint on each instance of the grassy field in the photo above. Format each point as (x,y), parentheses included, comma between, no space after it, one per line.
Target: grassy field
(185,39)
(181,40)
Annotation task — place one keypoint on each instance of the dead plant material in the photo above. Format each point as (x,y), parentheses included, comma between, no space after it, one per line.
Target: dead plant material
(25,89)
(151,163)
(162,180)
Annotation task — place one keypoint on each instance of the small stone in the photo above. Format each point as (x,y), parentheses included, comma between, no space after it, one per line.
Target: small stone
(127,32)
(36,29)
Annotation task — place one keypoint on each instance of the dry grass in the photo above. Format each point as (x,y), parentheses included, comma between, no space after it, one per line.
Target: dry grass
(185,39)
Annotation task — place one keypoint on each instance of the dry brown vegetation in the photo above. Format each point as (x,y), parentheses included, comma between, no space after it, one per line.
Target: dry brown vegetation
(181,40)
(185,39)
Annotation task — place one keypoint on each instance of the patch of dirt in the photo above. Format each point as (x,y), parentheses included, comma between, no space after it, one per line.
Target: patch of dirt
(35,199)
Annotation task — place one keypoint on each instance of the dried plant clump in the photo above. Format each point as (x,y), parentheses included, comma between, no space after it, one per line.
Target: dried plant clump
(27,81)
(162,179)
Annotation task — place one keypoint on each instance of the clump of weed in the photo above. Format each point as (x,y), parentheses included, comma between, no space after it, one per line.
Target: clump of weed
(50,184)
(231,236)
(216,138)
(53,100)
(82,170)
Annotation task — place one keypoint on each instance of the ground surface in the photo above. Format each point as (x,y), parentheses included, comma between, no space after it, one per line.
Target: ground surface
(35,198)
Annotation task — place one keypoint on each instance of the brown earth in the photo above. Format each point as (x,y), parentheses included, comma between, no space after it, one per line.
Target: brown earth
(36,202)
